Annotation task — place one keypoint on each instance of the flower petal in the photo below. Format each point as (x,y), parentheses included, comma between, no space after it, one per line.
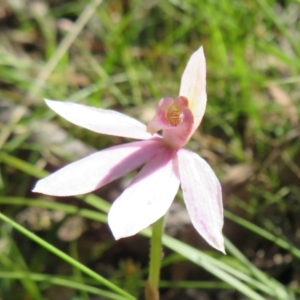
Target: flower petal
(203,197)
(193,85)
(147,198)
(98,169)
(100,120)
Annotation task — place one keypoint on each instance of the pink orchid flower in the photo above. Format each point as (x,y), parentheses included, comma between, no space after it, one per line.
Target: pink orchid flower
(166,163)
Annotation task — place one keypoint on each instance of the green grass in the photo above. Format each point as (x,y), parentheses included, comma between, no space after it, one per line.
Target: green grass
(126,55)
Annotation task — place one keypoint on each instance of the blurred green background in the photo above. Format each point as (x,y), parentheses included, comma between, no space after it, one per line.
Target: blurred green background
(126,55)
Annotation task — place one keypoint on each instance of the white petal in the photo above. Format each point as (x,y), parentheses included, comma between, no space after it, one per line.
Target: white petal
(193,85)
(98,169)
(100,120)
(147,198)
(203,197)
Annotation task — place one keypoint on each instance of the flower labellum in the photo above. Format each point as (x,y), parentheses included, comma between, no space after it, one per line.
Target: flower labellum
(166,163)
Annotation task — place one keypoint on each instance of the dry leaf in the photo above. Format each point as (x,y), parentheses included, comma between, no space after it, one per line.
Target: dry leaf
(283,99)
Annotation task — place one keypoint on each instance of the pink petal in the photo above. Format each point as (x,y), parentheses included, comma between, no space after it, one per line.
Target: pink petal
(147,198)
(98,169)
(100,120)
(193,85)
(203,197)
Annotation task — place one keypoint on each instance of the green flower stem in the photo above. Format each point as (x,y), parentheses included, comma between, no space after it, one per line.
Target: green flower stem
(152,292)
